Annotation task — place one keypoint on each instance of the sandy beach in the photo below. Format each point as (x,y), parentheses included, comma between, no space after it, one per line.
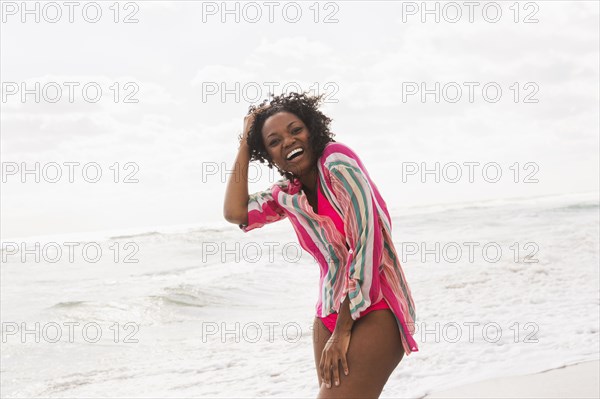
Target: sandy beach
(580,380)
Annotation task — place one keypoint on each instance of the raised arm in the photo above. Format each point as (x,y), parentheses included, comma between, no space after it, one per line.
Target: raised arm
(235,207)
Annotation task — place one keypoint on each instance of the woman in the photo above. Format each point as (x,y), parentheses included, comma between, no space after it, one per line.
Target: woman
(365,313)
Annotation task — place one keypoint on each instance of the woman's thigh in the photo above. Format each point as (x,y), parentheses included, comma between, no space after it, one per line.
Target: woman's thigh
(374,352)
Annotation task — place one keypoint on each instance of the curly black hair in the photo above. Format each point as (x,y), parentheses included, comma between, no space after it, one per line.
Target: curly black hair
(305,107)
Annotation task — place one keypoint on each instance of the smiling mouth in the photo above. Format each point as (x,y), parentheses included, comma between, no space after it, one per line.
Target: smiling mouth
(294,154)
(296,158)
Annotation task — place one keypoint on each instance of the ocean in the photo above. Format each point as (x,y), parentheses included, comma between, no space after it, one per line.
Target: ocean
(501,288)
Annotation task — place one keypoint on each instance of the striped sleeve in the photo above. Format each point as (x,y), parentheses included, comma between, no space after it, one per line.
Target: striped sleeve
(262,209)
(363,235)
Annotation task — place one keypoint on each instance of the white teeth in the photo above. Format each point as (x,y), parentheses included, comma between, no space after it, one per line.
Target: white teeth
(297,150)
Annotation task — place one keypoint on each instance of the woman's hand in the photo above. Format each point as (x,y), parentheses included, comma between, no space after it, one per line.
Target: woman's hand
(248,121)
(334,351)
(243,137)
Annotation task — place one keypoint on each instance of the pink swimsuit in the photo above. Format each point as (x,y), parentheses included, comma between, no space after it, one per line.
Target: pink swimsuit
(325,208)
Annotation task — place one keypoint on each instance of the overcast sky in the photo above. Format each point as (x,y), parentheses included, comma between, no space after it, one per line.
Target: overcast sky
(371,59)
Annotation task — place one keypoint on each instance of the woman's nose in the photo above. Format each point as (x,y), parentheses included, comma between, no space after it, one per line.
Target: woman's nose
(288,141)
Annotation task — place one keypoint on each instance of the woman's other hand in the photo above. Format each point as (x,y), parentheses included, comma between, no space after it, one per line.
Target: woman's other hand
(248,121)
(335,351)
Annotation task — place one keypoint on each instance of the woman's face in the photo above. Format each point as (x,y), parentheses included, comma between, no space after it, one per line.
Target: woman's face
(286,139)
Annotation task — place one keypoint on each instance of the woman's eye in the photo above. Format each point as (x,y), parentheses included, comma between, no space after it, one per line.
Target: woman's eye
(297,130)
(272,143)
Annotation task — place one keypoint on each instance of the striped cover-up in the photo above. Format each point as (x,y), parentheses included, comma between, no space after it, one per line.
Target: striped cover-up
(362,264)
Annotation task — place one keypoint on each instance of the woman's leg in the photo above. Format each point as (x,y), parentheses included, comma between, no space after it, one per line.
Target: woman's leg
(374,352)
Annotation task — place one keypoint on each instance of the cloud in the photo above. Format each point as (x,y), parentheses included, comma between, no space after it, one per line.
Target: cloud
(173,131)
